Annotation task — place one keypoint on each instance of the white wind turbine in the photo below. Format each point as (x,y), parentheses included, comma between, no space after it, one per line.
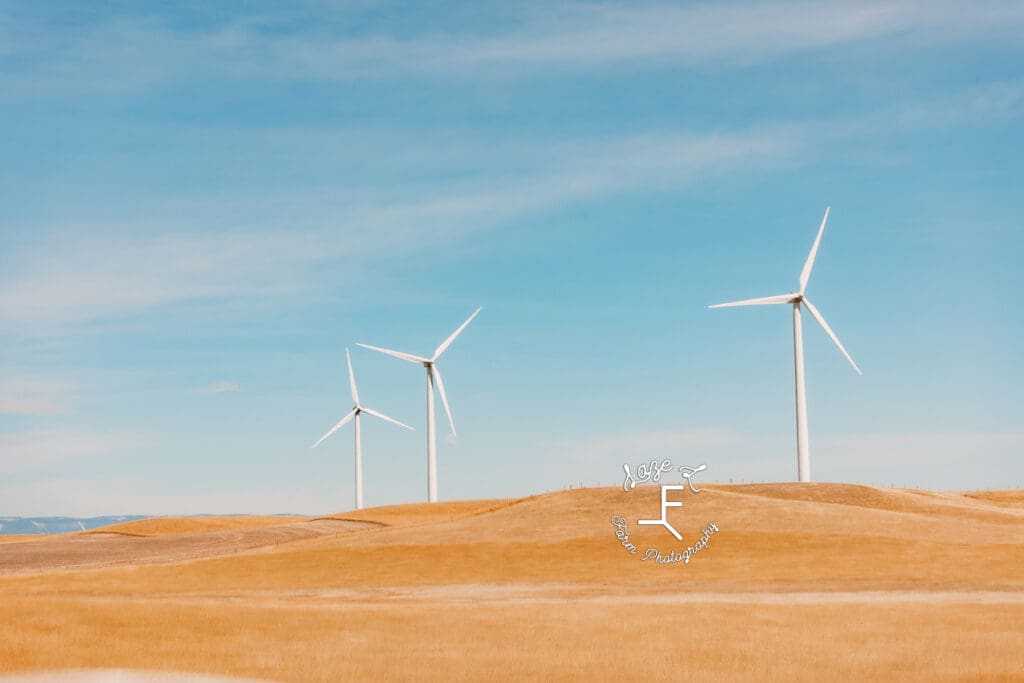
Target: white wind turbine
(433,374)
(797,298)
(356,411)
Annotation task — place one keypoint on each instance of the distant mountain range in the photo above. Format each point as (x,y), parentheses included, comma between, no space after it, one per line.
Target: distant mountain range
(58,525)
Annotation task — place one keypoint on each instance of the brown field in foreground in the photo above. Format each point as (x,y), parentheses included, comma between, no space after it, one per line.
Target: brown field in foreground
(801,582)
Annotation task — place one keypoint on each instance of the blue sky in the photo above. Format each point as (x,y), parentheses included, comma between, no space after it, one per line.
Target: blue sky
(202,204)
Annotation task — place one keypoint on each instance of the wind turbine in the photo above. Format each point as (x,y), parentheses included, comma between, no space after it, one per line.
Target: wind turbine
(798,299)
(357,410)
(433,374)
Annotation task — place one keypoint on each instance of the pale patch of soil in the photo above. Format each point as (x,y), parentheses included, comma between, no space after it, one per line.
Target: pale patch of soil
(120,676)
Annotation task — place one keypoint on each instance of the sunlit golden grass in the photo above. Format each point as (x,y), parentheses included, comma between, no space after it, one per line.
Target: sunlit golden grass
(614,640)
(18,538)
(157,526)
(803,582)
(1011,497)
(417,514)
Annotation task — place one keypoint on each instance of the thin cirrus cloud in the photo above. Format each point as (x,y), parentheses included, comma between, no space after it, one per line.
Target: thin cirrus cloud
(223,386)
(33,396)
(70,280)
(43,449)
(575,36)
(724,34)
(29,405)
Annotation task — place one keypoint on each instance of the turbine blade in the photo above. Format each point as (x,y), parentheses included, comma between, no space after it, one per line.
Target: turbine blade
(821,321)
(448,342)
(352,378)
(389,419)
(777,299)
(805,274)
(336,427)
(397,354)
(444,399)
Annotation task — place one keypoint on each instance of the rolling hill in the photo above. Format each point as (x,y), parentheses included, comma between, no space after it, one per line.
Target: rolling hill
(800,582)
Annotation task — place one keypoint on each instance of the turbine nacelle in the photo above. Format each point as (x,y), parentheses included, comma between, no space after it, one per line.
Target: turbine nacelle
(799,298)
(357,409)
(433,380)
(430,364)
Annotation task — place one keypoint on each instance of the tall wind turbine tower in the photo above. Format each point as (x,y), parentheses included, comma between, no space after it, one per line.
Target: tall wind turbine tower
(433,377)
(354,414)
(799,299)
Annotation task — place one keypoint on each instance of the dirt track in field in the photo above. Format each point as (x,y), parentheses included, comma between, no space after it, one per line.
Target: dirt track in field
(94,550)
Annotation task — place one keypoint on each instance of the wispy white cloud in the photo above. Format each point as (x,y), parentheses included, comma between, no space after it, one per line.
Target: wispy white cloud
(33,396)
(220,387)
(41,450)
(75,276)
(715,34)
(84,273)
(981,104)
(129,53)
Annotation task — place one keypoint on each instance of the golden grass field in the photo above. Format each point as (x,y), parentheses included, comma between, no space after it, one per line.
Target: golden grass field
(814,582)
(158,526)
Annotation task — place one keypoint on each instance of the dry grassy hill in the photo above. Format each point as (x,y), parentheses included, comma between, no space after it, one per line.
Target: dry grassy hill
(875,583)
(19,538)
(161,526)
